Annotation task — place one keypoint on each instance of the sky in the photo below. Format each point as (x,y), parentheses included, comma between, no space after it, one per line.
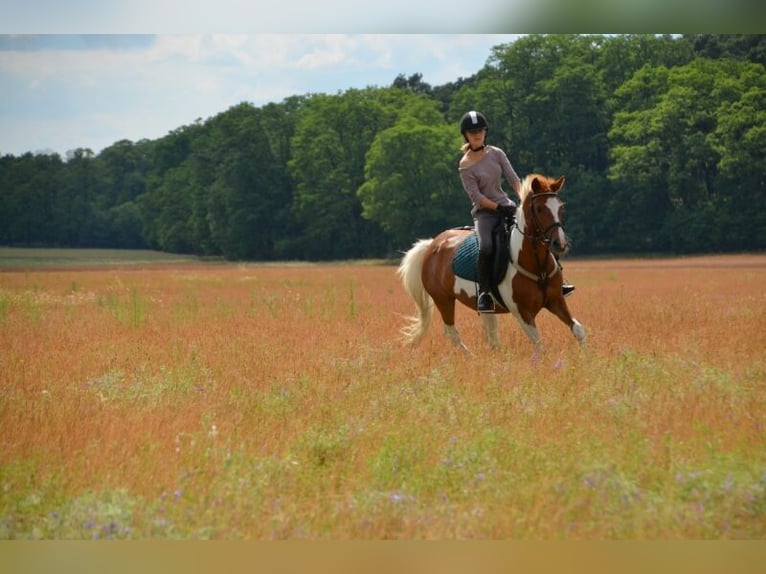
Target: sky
(88,73)
(59,92)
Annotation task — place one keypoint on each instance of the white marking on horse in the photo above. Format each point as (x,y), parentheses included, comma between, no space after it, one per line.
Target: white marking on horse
(554,204)
(453,241)
(464,286)
(578,330)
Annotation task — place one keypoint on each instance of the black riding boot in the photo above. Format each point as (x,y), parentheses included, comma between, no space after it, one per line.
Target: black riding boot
(486,303)
(566,288)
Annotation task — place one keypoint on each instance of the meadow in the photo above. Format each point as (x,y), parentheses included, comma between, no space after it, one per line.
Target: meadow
(180,399)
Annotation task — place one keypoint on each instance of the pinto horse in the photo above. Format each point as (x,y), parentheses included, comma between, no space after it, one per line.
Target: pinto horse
(533,279)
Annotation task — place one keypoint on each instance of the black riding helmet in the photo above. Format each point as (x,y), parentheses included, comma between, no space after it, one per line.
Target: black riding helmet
(472,121)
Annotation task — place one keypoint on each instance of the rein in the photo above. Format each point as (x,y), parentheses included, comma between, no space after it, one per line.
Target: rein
(539,236)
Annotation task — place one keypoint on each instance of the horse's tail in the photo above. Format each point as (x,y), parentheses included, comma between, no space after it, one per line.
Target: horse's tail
(410,272)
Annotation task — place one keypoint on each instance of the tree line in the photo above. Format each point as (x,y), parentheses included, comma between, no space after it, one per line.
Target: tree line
(662,140)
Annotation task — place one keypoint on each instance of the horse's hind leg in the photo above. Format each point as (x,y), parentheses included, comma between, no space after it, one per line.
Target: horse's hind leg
(446,307)
(489,323)
(451,332)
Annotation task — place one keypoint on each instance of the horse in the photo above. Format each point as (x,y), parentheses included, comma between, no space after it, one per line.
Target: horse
(532,281)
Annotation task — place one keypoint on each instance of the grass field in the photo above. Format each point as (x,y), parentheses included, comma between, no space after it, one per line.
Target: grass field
(41,258)
(142,398)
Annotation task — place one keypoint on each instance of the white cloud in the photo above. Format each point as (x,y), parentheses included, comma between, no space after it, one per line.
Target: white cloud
(54,98)
(331,51)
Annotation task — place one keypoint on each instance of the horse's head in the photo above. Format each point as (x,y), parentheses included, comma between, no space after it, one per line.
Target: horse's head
(542,211)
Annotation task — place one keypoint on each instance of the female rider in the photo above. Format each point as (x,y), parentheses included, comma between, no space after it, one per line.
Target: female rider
(481,168)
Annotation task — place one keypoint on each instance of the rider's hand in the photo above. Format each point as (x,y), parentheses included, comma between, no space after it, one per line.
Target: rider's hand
(507,210)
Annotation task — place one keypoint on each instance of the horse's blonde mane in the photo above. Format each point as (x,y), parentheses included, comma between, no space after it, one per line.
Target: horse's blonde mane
(526,184)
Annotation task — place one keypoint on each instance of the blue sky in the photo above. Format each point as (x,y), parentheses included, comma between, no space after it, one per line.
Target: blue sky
(63,91)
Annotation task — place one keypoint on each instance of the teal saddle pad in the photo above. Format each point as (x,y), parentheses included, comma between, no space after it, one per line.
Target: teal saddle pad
(464,262)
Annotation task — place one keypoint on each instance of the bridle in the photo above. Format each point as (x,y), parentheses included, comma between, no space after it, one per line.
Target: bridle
(540,236)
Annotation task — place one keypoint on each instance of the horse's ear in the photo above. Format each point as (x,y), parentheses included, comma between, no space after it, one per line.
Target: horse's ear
(536,185)
(557,185)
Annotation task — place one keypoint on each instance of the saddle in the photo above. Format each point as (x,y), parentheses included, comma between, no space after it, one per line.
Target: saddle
(465,259)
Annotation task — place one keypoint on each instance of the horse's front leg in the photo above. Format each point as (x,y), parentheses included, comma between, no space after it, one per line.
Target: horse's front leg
(528,325)
(578,331)
(559,308)
(530,329)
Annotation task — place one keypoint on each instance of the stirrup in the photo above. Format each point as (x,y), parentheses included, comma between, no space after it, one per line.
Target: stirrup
(567,289)
(485,303)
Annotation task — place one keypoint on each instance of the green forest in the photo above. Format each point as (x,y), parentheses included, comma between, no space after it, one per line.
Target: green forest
(662,140)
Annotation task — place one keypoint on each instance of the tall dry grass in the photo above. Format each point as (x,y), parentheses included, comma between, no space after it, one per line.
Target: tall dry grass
(247,401)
